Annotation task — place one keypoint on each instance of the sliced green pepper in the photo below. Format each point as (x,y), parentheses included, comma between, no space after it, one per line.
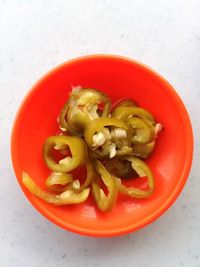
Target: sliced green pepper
(124,103)
(65,198)
(117,139)
(125,112)
(57,181)
(90,176)
(78,149)
(142,170)
(143,133)
(78,117)
(63,119)
(81,108)
(105,203)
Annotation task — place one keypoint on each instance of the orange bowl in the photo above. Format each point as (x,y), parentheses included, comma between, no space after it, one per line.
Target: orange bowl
(118,77)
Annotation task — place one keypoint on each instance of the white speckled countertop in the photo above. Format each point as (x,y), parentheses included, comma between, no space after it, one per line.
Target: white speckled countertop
(37,35)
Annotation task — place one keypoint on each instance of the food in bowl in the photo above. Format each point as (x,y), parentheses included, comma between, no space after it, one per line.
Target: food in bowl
(117,77)
(110,141)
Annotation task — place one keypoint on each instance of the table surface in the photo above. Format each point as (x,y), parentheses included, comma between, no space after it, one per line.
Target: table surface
(38,35)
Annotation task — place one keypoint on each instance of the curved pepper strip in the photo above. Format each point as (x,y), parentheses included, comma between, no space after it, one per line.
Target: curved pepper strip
(78,149)
(97,125)
(142,170)
(57,181)
(90,176)
(126,103)
(124,112)
(63,119)
(104,203)
(143,133)
(123,103)
(65,198)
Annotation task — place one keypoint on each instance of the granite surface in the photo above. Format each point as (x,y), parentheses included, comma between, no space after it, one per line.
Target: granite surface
(36,36)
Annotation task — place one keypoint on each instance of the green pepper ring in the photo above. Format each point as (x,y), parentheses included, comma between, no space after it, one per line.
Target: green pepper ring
(77,147)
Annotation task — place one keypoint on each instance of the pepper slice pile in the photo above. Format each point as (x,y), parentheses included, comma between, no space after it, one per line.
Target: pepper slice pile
(109,142)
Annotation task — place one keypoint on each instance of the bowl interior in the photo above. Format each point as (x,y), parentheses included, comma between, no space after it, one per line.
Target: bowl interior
(119,78)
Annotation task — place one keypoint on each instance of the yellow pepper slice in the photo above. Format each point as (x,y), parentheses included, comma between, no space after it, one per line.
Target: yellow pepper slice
(104,203)
(65,198)
(78,149)
(142,170)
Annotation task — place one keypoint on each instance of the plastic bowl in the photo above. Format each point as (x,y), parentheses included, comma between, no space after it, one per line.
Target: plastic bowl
(118,77)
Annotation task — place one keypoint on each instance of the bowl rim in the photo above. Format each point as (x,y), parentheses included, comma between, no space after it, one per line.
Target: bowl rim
(174,194)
